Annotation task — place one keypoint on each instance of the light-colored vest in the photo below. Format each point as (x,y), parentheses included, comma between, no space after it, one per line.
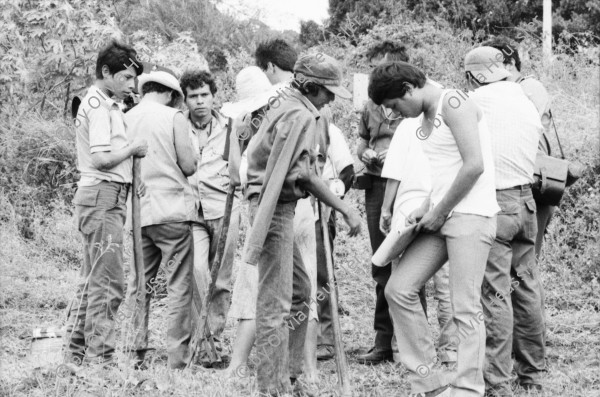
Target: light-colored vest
(169,197)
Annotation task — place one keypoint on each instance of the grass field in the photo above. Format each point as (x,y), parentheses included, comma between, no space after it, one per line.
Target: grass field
(38,277)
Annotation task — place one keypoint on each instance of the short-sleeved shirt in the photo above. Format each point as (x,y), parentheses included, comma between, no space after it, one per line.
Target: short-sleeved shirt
(100,128)
(338,154)
(377,130)
(293,120)
(515,130)
(536,92)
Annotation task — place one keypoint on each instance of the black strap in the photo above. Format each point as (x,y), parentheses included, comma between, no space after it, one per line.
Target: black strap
(562,154)
(227,139)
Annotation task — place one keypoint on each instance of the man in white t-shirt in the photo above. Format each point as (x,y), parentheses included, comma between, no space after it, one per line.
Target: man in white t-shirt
(510,287)
(408,185)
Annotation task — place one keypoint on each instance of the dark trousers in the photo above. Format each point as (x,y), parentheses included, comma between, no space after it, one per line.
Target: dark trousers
(91,327)
(384,329)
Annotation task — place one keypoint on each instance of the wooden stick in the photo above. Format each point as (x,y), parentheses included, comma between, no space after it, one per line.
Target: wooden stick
(340,356)
(203,329)
(136,221)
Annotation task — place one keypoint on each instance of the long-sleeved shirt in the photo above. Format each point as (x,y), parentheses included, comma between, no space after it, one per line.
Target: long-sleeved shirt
(282,150)
(211,180)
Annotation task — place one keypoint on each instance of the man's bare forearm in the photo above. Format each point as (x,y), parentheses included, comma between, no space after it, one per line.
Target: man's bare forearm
(315,186)
(104,161)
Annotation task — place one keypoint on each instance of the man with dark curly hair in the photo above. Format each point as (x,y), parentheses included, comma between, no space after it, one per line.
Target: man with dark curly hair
(209,131)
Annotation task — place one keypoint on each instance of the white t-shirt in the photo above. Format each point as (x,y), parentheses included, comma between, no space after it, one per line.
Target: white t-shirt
(406,162)
(338,154)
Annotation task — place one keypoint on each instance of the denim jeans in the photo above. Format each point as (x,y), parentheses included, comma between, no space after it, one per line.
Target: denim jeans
(91,321)
(464,240)
(172,245)
(206,238)
(447,344)
(511,291)
(281,311)
(384,330)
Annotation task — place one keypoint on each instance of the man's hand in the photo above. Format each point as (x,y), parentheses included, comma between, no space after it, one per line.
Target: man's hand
(431,222)
(353,220)
(385,222)
(369,156)
(139,148)
(141,190)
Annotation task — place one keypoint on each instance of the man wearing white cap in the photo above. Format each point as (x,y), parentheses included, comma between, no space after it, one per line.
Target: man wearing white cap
(515,130)
(166,209)
(281,160)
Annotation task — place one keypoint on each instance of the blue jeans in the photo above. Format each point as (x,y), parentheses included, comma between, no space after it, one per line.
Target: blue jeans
(282,304)
(465,241)
(91,325)
(511,295)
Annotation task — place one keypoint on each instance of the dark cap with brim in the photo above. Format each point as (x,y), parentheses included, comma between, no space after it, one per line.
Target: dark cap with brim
(321,69)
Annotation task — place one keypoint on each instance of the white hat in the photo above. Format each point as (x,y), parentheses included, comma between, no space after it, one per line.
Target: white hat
(486,64)
(253,92)
(164,78)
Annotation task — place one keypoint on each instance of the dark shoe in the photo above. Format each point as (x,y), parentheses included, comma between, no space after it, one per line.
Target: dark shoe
(325,352)
(375,356)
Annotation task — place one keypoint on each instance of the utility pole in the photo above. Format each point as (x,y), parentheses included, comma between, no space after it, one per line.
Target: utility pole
(547,31)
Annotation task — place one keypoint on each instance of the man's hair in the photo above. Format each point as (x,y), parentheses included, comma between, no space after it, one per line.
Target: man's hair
(507,48)
(277,51)
(153,86)
(194,79)
(395,51)
(117,56)
(388,80)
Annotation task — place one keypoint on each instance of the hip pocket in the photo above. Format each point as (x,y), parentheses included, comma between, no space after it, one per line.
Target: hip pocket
(164,205)
(89,216)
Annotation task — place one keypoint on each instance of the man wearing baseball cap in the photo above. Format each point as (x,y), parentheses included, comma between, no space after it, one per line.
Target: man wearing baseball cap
(166,209)
(510,285)
(281,161)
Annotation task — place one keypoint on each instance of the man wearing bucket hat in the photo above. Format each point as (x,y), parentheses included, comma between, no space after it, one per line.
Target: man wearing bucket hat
(281,159)
(209,130)
(510,287)
(166,211)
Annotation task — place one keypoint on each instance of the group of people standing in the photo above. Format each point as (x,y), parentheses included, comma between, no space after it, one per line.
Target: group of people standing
(455,166)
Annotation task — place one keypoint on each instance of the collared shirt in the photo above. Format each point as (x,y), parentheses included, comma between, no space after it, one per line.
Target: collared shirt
(281,151)
(536,92)
(378,130)
(211,180)
(293,122)
(100,128)
(515,129)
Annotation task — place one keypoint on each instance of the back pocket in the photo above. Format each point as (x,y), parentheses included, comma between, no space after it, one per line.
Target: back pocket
(89,217)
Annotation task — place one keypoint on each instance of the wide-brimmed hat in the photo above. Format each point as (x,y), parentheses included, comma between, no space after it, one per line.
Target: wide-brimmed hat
(253,91)
(164,78)
(486,64)
(321,69)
